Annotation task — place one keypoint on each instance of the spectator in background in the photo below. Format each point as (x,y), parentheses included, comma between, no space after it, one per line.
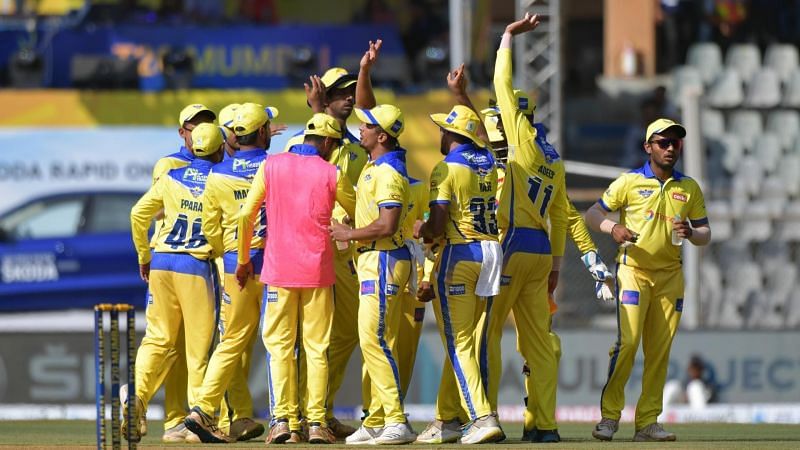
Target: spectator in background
(725,20)
(698,389)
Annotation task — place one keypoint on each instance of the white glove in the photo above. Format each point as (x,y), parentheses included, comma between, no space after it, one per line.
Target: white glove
(603,278)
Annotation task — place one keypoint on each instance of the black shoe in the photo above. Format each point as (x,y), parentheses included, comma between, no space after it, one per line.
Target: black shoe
(546,436)
(529,435)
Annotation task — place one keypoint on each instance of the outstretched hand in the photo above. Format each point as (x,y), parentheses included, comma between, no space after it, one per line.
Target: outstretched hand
(315,93)
(277,128)
(527,23)
(371,55)
(457,81)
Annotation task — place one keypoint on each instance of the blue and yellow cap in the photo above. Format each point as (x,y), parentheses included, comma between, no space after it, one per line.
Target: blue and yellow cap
(388,117)
(461,120)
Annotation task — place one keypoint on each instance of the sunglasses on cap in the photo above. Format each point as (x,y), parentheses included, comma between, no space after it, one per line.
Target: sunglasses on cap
(664,143)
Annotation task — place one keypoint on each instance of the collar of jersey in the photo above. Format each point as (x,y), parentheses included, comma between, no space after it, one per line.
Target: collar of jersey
(648,172)
(304,149)
(200,163)
(250,153)
(350,137)
(466,154)
(186,153)
(396,159)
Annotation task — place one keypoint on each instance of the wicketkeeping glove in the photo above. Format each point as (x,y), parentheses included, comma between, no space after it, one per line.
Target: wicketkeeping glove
(603,278)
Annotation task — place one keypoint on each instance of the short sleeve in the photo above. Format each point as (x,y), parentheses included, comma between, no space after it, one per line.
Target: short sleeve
(441,191)
(390,188)
(616,195)
(697,208)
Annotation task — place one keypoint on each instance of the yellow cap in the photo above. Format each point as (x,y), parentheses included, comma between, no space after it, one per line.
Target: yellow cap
(206,139)
(524,102)
(249,117)
(492,111)
(461,120)
(190,111)
(662,125)
(337,77)
(322,124)
(227,114)
(388,117)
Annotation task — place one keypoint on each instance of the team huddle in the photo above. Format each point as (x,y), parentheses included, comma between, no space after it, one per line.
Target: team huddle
(330,244)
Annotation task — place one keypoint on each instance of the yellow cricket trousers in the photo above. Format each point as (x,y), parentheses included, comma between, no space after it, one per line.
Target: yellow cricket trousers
(460,315)
(405,348)
(292,314)
(523,289)
(183,293)
(649,306)
(383,276)
(226,377)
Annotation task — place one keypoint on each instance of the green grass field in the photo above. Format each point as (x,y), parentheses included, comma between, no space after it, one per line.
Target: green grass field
(80,434)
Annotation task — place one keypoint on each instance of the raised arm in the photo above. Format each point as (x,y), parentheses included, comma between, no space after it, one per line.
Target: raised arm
(365,97)
(315,94)
(457,83)
(503,86)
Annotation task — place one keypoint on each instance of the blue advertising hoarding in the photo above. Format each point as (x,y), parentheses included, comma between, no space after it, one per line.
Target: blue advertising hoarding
(224,57)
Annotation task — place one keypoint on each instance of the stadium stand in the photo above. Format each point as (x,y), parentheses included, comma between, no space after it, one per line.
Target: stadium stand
(751,129)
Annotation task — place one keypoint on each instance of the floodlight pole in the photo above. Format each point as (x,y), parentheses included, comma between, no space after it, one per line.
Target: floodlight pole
(693,165)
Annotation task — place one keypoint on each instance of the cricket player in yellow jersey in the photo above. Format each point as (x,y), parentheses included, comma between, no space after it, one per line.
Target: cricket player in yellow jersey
(577,232)
(463,204)
(179,272)
(533,194)
(384,268)
(659,209)
(175,401)
(334,94)
(225,194)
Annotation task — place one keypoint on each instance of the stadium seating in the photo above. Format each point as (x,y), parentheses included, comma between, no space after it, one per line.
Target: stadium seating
(727,90)
(750,124)
(786,126)
(744,59)
(706,57)
(791,93)
(783,59)
(764,91)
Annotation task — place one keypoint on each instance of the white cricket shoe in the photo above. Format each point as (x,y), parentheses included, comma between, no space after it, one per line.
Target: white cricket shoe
(483,430)
(396,433)
(653,433)
(605,429)
(363,436)
(439,432)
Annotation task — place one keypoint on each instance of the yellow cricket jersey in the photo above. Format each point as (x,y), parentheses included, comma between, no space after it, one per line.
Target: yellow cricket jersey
(349,157)
(225,193)
(179,193)
(534,189)
(417,205)
(345,199)
(577,231)
(466,181)
(383,184)
(649,207)
(176,160)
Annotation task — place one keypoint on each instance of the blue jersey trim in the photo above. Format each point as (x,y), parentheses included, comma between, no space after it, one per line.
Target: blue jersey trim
(396,159)
(699,222)
(383,267)
(230,261)
(439,202)
(603,205)
(448,331)
(470,155)
(304,150)
(181,263)
(525,240)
